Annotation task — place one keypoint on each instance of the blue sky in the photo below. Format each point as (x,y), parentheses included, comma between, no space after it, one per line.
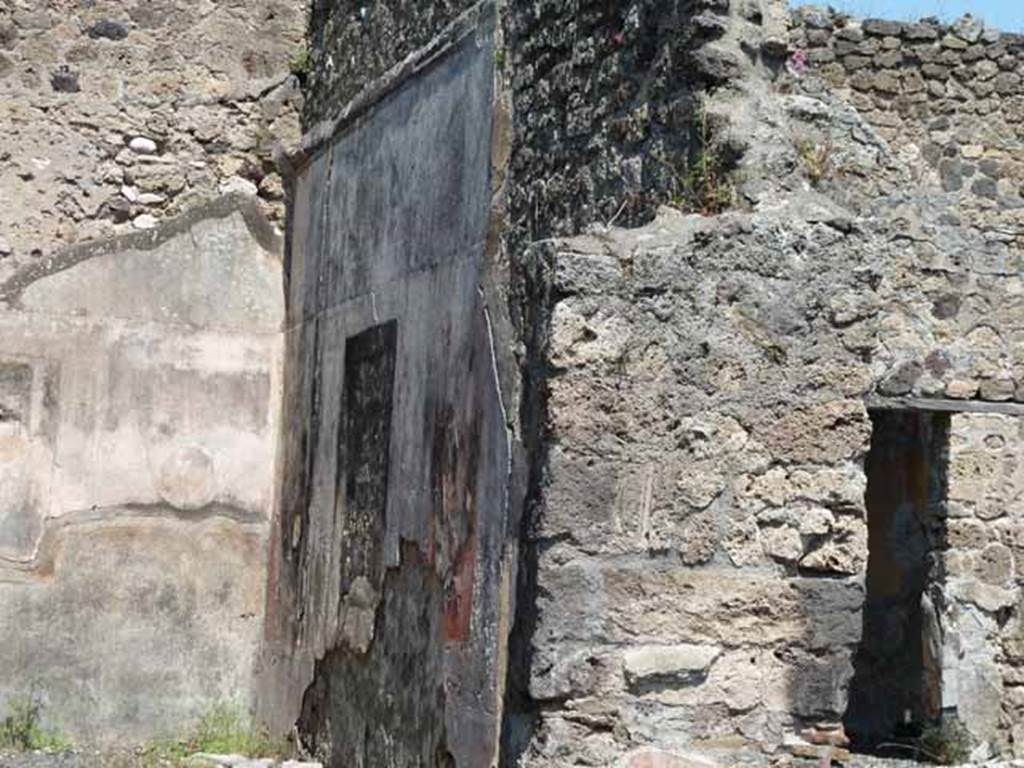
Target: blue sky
(1008,15)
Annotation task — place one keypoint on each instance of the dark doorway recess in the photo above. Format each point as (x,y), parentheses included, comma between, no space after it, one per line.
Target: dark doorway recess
(896,690)
(364,445)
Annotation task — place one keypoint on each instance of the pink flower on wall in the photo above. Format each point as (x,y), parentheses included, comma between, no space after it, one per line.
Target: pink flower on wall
(796,65)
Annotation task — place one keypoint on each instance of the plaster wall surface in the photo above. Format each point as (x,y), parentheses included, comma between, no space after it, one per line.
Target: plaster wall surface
(140,387)
(390,598)
(141,306)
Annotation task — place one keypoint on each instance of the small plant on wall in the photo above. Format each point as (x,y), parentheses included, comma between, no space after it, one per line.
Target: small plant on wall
(702,183)
(21,728)
(817,159)
(945,743)
(223,729)
(300,63)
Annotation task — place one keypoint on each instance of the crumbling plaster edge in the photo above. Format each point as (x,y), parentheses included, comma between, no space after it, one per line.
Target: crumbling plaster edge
(220,208)
(40,564)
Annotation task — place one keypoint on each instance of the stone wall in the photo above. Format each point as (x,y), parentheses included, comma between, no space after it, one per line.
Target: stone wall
(684,406)
(610,118)
(983,654)
(699,528)
(604,99)
(701,532)
(689,401)
(202,88)
(353,44)
(139,405)
(949,99)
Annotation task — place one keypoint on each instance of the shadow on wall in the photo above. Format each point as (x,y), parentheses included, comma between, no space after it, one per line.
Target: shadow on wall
(534,292)
(896,692)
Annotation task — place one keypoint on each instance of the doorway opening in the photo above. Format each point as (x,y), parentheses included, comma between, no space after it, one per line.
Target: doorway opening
(896,691)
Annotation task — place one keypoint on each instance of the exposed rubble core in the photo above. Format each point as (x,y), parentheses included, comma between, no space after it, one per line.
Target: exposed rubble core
(118,115)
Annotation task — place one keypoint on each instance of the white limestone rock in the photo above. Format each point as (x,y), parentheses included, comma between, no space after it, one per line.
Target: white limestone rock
(144,221)
(239,185)
(140,145)
(682,663)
